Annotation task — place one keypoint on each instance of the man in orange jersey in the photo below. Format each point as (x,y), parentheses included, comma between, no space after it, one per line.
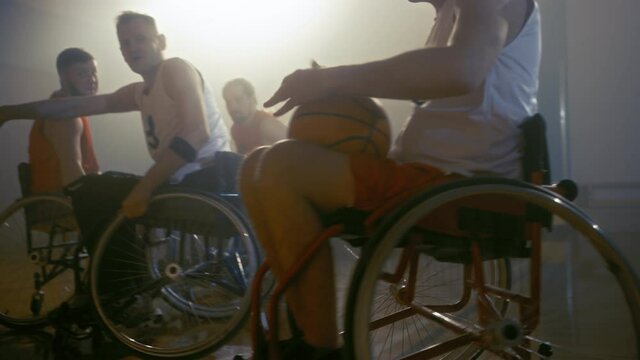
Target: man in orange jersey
(251,127)
(62,151)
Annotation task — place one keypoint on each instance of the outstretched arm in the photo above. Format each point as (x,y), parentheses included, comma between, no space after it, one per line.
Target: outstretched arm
(427,73)
(121,100)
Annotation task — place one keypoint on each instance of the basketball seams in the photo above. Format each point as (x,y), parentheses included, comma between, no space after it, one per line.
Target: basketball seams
(369,140)
(366,139)
(346,125)
(370,125)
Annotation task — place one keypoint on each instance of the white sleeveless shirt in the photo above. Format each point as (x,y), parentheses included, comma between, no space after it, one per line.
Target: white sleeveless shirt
(161,123)
(477,133)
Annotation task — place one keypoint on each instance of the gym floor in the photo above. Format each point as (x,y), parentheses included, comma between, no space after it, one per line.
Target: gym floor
(39,344)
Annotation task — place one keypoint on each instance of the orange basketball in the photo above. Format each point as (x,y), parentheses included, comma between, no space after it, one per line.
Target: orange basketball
(346,124)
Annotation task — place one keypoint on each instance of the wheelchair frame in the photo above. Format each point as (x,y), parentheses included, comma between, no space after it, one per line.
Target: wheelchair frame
(51,257)
(51,213)
(529,306)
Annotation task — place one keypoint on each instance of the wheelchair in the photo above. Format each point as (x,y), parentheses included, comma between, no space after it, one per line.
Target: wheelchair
(472,270)
(41,256)
(170,284)
(175,282)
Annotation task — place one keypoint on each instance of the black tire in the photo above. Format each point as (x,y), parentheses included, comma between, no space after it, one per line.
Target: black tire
(185,268)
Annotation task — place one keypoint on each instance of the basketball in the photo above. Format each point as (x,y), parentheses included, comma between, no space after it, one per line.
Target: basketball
(346,124)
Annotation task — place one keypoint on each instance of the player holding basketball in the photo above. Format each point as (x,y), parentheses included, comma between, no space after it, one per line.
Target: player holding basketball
(62,151)
(182,125)
(479,73)
(251,127)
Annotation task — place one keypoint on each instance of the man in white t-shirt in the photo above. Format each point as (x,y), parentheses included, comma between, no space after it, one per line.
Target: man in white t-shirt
(478,74)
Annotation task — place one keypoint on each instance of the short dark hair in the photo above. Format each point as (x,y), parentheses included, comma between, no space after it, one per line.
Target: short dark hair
(128,16)
(244,84)
(71,56)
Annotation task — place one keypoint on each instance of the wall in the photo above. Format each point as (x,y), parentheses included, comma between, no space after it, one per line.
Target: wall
(603,108)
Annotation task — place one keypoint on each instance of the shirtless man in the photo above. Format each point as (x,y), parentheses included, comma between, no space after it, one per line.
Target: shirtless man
(251,127)
(182,125)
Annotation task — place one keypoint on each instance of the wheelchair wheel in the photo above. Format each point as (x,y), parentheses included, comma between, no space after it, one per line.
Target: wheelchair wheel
(176,282)
(40,259)
(588,308)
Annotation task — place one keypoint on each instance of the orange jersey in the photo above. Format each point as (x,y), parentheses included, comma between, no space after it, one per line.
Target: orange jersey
(44,163)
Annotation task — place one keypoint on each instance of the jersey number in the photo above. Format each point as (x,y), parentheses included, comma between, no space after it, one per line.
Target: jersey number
(152,139)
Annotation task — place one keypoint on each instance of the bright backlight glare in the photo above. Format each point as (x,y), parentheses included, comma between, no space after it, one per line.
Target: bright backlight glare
(233,24)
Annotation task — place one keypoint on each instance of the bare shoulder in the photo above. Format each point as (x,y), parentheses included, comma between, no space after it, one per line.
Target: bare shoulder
(270,122)
(498,7)
(482,6)
(130,89)
(177,65)
(177,73)
(513,12)
(58,94)
(176,62)
(123,99)
(516,12)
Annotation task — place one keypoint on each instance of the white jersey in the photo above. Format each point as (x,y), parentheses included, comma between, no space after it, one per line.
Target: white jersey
(477,133)
(161,123)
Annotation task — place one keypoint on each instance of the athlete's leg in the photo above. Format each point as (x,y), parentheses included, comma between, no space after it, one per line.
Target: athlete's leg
(285,189)
(247,177)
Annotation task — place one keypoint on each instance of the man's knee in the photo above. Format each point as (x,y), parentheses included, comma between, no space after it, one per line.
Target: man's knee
(250,165)
(281,164)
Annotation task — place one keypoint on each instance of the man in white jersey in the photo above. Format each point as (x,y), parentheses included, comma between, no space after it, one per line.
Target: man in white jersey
(182,124)
(478,74)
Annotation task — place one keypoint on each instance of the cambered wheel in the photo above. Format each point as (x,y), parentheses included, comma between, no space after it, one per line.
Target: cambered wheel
(40,259)
(176,282)
(589,297)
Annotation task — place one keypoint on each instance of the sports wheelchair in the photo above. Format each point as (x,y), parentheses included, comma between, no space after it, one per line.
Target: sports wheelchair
(40,255)
(466,270)
(170,284)
(179,286)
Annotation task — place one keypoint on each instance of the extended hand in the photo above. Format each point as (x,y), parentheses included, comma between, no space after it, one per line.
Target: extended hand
(298,88)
